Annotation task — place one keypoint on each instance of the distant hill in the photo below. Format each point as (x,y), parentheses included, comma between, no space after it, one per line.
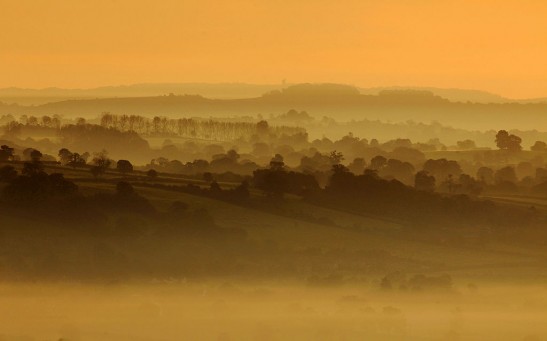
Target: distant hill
(220,90)
(453,95)
(309,91)
(342,102)
(232,91)
(457,95)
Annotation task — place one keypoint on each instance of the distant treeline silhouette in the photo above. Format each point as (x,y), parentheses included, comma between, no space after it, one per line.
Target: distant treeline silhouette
(192,128)
(369,193)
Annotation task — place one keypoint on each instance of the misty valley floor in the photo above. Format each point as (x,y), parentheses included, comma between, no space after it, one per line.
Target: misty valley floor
(262,311)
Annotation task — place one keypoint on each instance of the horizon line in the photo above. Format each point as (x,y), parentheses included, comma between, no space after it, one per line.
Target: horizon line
(285,84)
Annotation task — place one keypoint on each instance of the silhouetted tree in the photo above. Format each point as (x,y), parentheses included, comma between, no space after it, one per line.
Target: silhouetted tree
(152,174)
(35,155)
(339,168)
(396,169)
(466,184)
(101,159)
(64,156)
(124,166)
(392,144)
(101,163)
(405,154)
(232,155)
(6,153)
(539,146)
(36,187)
(466,144)
(273,182)
(277,162)
(262,127)
(505,174)
(486,175)
(13,129)
(424,182)
(377,162)
(318,162)
(241,192)
(441,169)
(336,157)
(357,166)
(26,154)
(96,171)
(76,160)
(505,141)
(84,157)
(208,177)
(7,173)
(32,168)
(341,180)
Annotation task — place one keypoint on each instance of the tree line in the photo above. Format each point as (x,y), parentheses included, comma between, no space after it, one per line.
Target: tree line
(192,128)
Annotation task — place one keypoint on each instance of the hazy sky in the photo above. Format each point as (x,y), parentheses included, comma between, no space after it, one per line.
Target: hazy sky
(499,46)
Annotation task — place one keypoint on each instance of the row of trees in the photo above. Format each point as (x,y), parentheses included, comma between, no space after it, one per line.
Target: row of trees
(99,164)
(435,175)
(368,192)
(192,128)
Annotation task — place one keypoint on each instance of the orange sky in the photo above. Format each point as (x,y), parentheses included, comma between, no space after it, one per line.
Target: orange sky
(499,46)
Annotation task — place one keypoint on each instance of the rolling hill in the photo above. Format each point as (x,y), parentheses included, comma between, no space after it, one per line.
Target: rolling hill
(340,101)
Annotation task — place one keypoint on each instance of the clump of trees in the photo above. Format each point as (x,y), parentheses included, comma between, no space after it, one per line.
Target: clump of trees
(7,173)
(276,180)
(34,185)
(124,166)
(121,144)
(101,163)
(370,193)
(6,153)
(221,163)
(68,158)
(423,181)
(152,174)
(466,144)
(509,142)
(539,146)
